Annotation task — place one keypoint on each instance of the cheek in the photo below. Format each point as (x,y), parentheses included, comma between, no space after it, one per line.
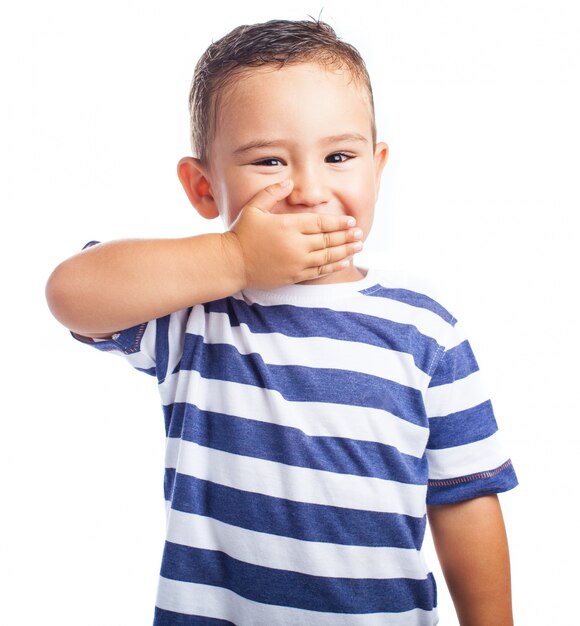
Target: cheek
(231,196)
(226,207)
(242,189)
(362,194)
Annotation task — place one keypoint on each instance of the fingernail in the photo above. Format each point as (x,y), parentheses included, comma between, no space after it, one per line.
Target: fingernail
(357,245)
(350,221)
(285,183)
(357,234)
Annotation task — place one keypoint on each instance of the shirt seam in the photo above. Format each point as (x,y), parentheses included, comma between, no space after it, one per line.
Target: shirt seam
(450,482)
(136,342)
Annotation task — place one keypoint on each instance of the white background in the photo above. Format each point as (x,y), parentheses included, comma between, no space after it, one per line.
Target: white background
(479,103)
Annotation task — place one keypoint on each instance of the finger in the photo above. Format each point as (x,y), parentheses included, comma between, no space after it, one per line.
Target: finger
(330,268)
(266,199)
(314,223)
(329,256)
(335,238)
(322,270)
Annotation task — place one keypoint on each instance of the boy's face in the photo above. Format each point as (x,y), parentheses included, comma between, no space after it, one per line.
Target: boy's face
(302,122)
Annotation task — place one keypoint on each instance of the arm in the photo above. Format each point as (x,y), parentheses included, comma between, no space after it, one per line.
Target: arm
(117,285)
(471,544)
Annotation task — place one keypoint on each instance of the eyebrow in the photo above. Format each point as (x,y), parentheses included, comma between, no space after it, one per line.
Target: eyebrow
(347,137)
(273,143)
(259,143)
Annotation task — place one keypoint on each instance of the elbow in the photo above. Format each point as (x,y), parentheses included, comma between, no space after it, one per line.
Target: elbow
(61,296)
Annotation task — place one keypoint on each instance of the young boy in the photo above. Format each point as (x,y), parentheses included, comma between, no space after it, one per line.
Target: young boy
(315,414)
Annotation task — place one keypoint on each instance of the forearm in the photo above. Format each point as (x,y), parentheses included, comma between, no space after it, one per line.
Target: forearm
(116,285)
(471,544)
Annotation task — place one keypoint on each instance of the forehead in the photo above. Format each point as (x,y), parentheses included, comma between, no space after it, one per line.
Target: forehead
(296,99)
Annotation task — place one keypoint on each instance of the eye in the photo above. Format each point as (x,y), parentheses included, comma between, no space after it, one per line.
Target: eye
(271,162)
(338,157)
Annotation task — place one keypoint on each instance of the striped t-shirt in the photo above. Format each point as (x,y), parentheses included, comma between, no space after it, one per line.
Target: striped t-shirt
(307,429)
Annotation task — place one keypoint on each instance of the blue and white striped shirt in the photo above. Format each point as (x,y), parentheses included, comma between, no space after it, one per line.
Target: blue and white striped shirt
(307,429)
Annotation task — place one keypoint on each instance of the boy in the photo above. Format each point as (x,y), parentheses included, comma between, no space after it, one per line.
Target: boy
(312,411)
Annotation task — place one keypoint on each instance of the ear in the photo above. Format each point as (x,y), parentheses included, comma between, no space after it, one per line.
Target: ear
(381,156)
(193,177)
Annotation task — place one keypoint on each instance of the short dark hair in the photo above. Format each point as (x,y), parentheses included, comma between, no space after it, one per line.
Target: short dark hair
(275,43)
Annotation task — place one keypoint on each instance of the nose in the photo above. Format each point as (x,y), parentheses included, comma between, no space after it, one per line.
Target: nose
(310,187)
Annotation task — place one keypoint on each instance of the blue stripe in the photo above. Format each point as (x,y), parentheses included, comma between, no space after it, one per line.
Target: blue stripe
(458,362)
(162,347)
(291,589)
(291,446)
(412,298)
(127,341)
(169,618)
(458,429)
(469,487)
(303,384)
(90,244)
(276,516)
(295,321)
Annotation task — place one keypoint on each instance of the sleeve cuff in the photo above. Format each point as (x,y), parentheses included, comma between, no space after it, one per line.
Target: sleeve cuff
(127,341)
(448,491)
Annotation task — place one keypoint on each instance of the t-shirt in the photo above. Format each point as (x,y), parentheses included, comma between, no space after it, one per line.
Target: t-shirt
(307,429)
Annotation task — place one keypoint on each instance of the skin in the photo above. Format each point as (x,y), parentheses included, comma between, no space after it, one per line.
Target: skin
(472,547)
(294,175)
(290,206)
(300,123)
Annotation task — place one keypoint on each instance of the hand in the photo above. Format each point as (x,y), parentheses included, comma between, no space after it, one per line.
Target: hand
(281,249)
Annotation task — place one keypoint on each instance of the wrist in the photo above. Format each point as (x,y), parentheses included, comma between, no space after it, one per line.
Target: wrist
(234,260)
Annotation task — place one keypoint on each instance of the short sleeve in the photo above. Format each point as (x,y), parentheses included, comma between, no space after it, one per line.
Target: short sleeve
(464,451)
(136,344)
(153,347)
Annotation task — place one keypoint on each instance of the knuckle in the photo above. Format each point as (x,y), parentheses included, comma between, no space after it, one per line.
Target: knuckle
(327,256)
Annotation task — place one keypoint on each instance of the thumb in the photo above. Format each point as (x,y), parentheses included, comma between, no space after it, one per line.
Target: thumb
(266,199)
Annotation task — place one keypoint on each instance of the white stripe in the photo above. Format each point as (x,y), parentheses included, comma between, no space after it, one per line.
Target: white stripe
(455,338)
(315,419)
(219,603)
(471,458)
(457,396)
(139,360)
(177,325)
(144,358)
(297,484)
(289,554)
(318,352)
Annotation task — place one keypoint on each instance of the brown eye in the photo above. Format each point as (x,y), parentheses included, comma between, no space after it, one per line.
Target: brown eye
(269,162)
(337,157)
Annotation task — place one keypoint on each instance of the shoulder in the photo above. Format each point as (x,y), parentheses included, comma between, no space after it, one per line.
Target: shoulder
(411,298)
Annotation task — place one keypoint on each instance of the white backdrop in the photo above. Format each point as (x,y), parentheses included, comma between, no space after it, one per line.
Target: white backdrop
(479,104)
